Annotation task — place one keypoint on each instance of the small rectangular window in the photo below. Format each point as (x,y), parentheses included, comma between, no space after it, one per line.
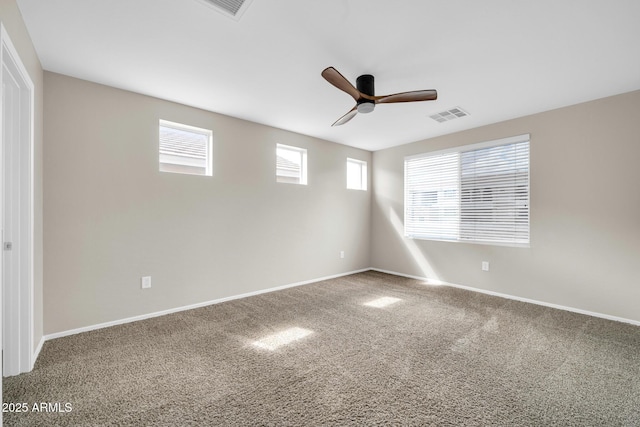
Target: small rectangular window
(478,193)
(291,164)
(356,174)
(185,149)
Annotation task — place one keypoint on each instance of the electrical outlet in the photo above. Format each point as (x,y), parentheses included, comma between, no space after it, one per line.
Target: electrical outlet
(341,254)
(485,265)
(146,282)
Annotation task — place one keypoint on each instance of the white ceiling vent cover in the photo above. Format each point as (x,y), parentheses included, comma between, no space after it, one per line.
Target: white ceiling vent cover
(231,8)
(445,116)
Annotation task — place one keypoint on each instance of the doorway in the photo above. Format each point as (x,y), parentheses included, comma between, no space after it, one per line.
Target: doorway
(16,211)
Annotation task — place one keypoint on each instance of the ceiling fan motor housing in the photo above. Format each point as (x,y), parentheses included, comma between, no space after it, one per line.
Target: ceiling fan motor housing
(364,83)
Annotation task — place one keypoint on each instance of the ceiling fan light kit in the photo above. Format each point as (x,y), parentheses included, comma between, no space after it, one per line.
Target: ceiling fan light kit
(364,94)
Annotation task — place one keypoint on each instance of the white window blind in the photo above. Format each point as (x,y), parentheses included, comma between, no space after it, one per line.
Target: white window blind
(477,193)
(432,192)
(184,149)
(356,174)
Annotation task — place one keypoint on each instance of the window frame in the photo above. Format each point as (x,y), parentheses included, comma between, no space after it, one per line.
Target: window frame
(362,164)
(208,133)
(465,149)
(302,179)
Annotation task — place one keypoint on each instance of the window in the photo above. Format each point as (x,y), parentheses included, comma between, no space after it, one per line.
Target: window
(185,149)
(356,174)
(291,164)
(478,193)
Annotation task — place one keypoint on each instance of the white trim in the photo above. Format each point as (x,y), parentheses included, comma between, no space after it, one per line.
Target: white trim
(192,306)
(409,276)
(512,297)
(306,282)
(26,182)
(36,353)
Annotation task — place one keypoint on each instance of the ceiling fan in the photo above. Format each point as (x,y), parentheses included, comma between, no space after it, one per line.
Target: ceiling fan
(365,94)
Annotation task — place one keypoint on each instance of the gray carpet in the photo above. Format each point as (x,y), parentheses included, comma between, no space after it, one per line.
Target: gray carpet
(438,356)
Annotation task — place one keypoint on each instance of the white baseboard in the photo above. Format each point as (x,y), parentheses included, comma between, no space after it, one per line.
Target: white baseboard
(512,297)
(186,307)
(306,282)
(36,352)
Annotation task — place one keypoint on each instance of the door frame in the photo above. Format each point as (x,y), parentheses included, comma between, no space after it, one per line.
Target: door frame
(23,198)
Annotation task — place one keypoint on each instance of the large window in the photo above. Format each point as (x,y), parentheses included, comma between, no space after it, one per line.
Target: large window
(185,149)
(356,174)
(477,193)
(291,164)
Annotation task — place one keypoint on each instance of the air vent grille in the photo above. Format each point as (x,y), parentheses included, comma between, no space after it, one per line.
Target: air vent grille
(232,8)
(445,116)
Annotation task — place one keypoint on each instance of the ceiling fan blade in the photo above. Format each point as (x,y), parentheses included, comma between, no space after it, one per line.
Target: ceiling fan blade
(416,95)
(332,75)
(344,119)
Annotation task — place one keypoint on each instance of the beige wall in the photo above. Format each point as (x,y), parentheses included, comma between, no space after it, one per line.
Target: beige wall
(111,217)
(12,20)
(585,212)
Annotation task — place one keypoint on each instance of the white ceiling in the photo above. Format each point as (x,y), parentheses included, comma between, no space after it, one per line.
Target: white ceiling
(497,59)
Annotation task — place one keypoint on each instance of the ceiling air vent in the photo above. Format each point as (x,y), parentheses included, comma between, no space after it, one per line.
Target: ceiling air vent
(231,8)
(445,116)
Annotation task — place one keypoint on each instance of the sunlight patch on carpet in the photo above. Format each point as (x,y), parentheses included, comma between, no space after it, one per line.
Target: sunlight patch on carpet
(382,302)
(285,337)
